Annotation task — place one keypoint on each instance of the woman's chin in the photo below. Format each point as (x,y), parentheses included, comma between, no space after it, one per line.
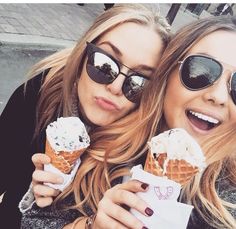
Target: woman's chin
(101,121)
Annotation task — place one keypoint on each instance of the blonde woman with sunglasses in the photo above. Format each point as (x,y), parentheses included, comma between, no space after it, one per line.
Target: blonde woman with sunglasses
(101,81)
(194,89)
(198,80)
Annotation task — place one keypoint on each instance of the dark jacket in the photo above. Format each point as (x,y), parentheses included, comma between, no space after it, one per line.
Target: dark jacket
(17,123)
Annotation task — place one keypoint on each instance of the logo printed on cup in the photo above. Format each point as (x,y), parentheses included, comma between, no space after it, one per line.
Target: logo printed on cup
(163,193)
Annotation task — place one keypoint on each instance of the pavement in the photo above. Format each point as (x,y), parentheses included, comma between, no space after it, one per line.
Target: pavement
(45,24)
(59,25)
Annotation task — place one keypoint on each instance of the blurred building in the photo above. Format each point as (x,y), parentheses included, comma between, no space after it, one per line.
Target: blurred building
(214,8)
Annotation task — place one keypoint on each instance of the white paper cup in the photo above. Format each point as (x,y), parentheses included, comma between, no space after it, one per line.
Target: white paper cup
(167,215)
(162,197)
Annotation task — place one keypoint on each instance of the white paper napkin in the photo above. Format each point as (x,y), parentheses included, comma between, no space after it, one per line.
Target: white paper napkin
(68,178)
(162,197)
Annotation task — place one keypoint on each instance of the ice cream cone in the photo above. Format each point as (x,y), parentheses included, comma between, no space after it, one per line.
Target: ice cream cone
(66,140)
(63,160)
(179,171)
(176,155)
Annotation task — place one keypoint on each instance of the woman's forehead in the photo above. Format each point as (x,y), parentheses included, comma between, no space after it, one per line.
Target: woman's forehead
(220,45)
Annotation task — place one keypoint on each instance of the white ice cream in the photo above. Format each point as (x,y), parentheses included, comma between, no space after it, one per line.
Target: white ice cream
(178,144)
(67,134)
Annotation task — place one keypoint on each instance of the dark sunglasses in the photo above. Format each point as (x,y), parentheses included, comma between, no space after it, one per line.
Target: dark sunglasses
(198,72)
(104,69)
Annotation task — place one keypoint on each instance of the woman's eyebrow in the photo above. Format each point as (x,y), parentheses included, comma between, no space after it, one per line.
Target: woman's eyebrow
(113,47)
(116,50)
(214,57)
(146,68)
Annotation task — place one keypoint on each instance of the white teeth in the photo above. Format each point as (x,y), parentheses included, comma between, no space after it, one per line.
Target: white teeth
(205,117)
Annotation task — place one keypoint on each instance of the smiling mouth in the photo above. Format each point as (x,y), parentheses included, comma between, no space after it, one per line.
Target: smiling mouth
(202,121)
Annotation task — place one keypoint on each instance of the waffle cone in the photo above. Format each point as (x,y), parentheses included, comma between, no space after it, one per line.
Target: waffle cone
(62,160)
(179,171)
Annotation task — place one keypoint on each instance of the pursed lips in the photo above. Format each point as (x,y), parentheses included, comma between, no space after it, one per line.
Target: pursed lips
(106,104)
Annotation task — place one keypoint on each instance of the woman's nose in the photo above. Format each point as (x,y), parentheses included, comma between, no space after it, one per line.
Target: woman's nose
(116,86)
(218,93)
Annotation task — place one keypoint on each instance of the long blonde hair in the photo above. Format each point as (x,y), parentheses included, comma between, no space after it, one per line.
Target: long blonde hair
(220,147)
(116,145)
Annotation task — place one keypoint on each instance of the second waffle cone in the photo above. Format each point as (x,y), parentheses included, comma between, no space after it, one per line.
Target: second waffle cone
(179,171)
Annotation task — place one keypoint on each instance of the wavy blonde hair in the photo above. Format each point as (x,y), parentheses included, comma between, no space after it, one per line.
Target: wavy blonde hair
(112,147)
(220,147)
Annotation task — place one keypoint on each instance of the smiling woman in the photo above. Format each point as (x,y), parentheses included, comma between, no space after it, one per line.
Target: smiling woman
(205,86)
(198,79)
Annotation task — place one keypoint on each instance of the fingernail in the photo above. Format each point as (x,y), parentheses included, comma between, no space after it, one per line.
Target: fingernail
(149,211)
(144,186)
(144,227)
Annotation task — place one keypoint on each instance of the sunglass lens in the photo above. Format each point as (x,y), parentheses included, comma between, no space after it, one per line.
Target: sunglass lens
(133,87)
(233,88)
(198,72)
(101,68)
